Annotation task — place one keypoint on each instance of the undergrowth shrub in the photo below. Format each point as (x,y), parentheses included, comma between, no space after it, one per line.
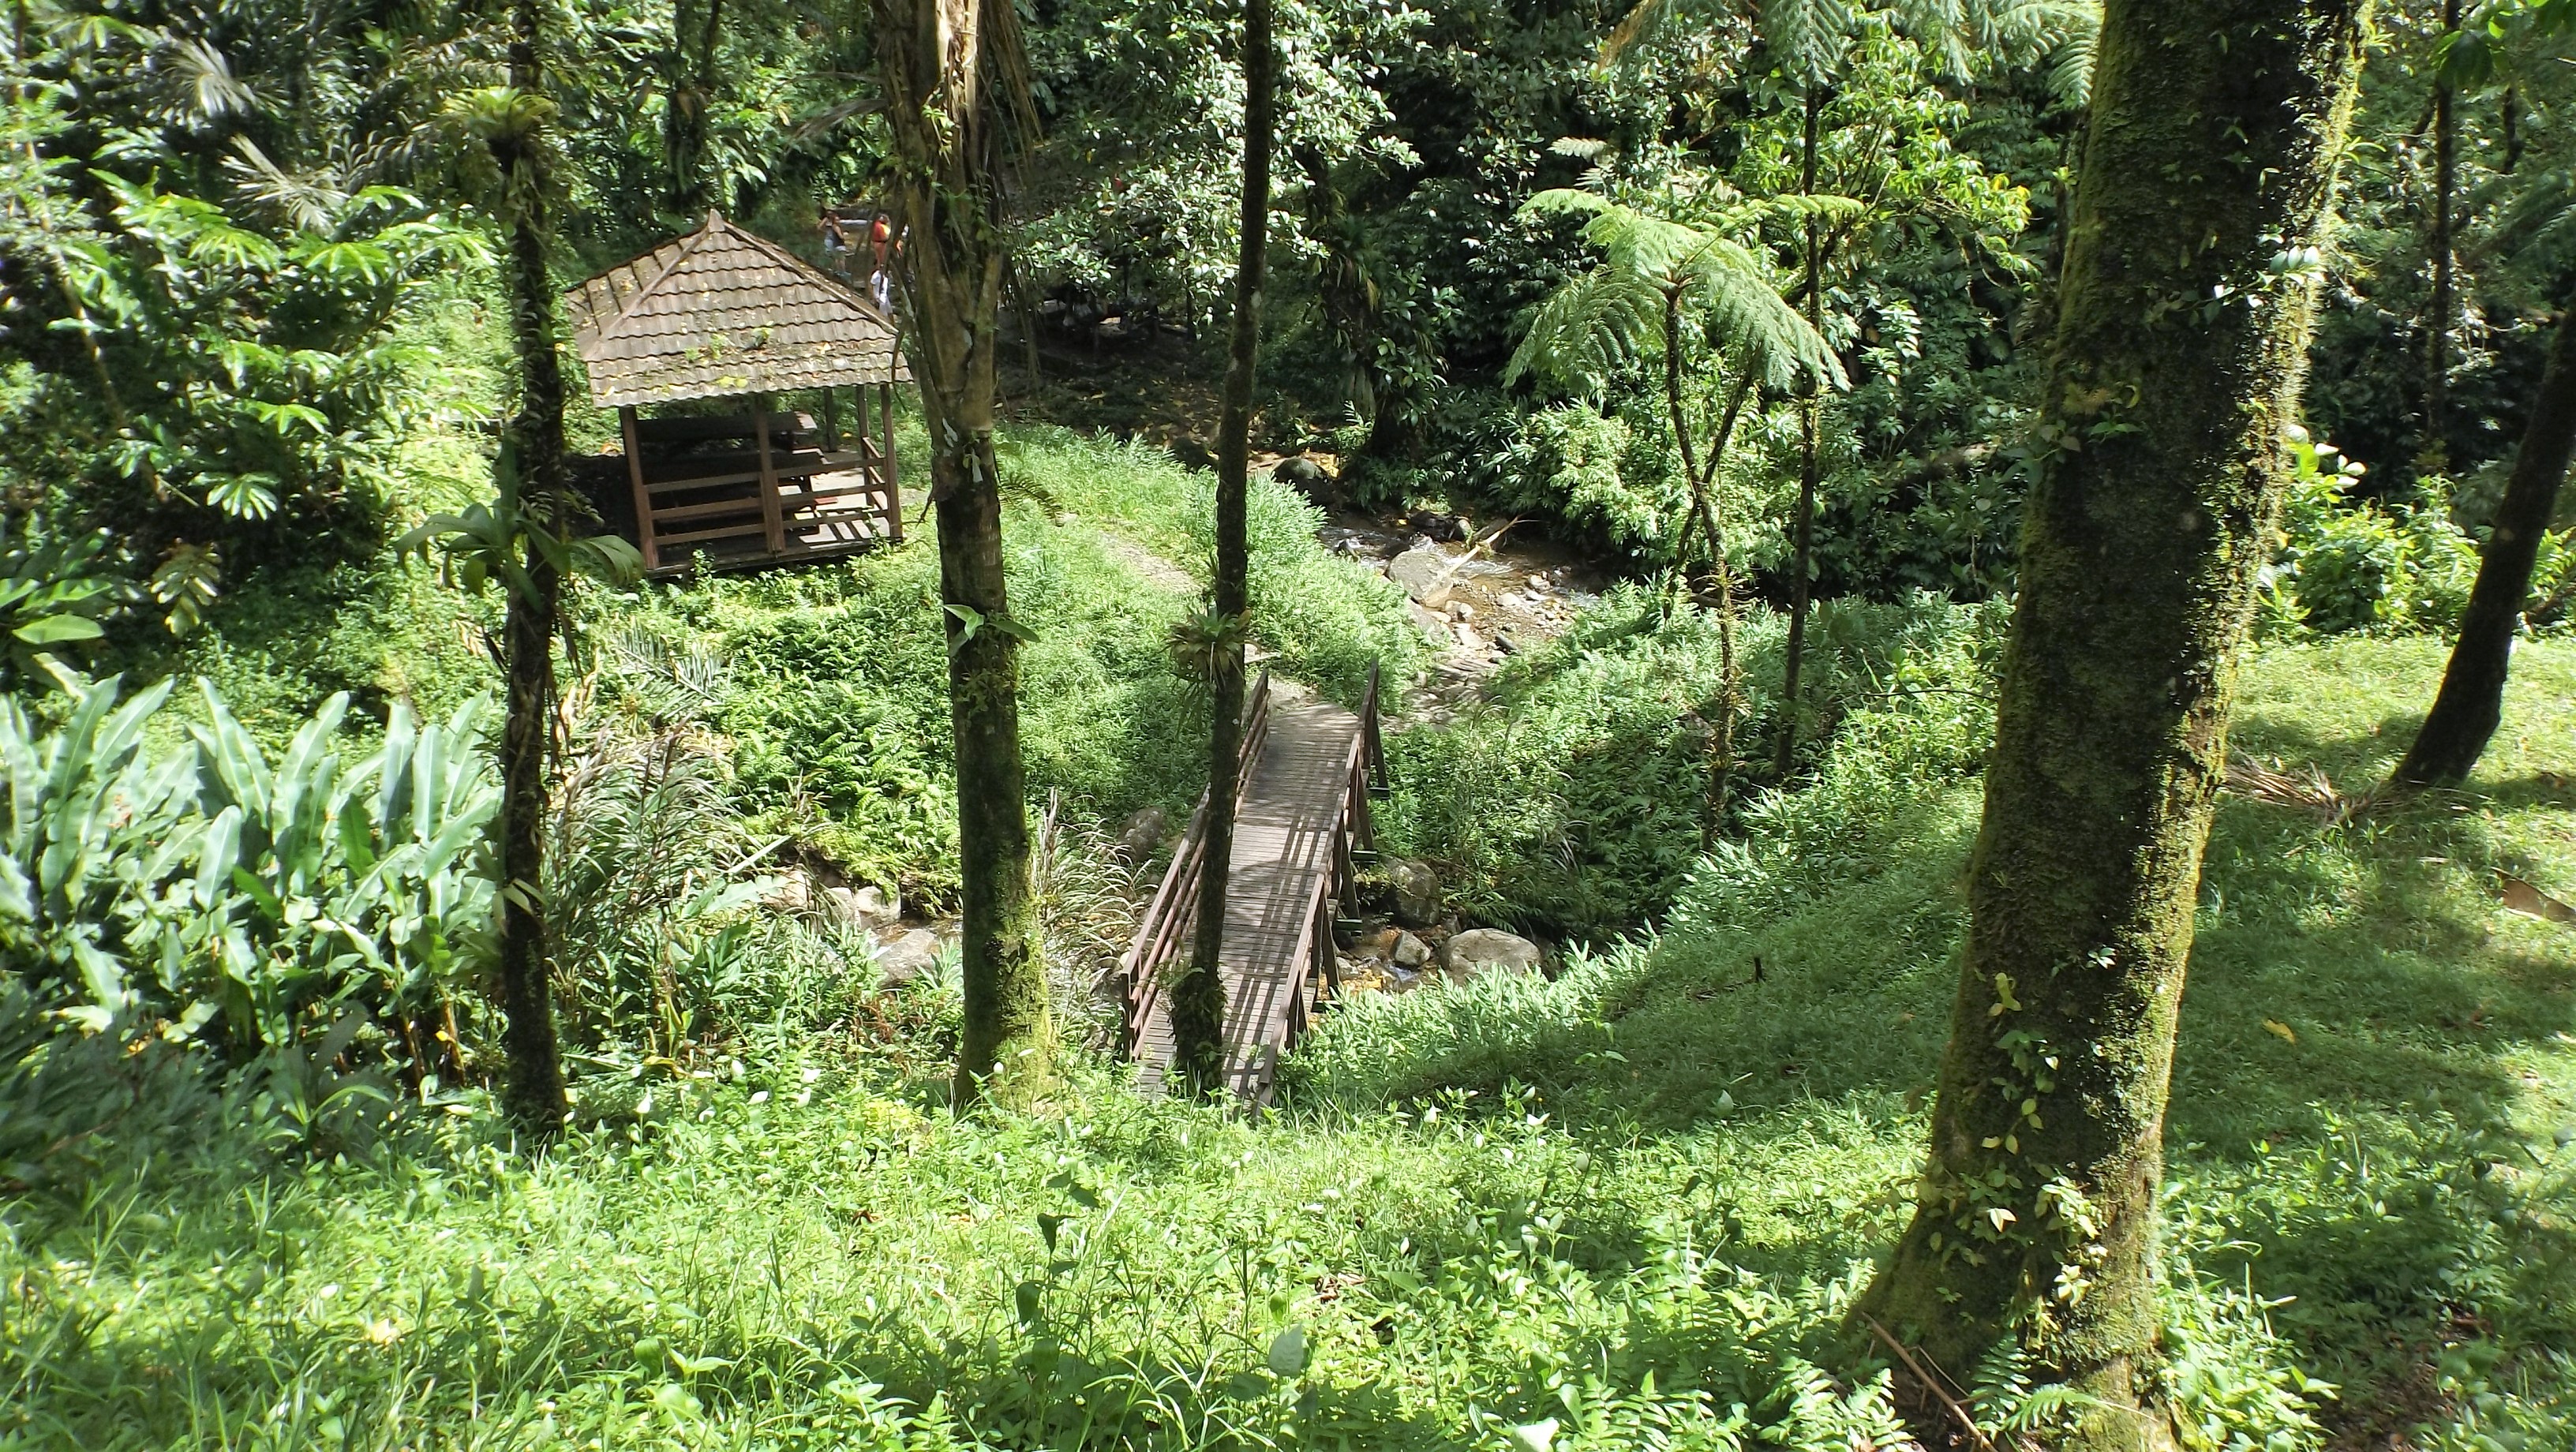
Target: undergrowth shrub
(861,1272)
(1325,619)
(251,899)
(2363,566)
(835,693)
(1572,799)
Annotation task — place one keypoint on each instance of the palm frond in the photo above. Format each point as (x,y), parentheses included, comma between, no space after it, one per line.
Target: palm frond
(203,88)
(309,201)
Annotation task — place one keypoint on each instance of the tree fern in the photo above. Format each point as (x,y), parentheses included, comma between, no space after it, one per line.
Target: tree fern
(1608,318)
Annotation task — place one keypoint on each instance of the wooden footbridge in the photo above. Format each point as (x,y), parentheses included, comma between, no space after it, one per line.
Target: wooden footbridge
(1301,830)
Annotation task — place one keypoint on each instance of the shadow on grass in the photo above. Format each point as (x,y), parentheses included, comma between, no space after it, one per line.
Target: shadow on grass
(2365,1039)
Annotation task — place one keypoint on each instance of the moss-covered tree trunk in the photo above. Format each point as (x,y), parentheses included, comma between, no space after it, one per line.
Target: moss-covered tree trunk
(1198,999)
(2470,704)
(2183,322)
(951,71)
(534,1092)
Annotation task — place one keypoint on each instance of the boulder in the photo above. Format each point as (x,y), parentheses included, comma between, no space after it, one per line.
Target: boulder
(1410,951)
(1444,527)
(908,958)
(1306,477)
(1423,571)
(791,891)
(1488,950)
(864,908)
(1144,833)
(1415,890)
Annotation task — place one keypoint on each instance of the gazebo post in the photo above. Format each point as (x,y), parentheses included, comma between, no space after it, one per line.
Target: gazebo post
(643,496)
(773,521)
(831,417)
(860,443)
(894,490)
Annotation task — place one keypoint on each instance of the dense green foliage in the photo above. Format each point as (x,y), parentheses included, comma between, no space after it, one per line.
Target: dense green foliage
(253,1191)
(1570,798)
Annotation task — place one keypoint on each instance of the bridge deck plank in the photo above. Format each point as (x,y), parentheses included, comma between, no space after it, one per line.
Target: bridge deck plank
(1284,836)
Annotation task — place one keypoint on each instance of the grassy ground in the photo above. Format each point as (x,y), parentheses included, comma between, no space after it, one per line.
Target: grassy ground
(1626,1203)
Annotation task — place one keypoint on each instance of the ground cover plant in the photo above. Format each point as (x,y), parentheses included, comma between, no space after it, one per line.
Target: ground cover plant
(1630,1202)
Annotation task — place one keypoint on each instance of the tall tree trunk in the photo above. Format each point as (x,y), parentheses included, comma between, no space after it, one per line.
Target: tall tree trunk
(684,119)
(534,1093)
(1801,555)
(1198,999)
(2213,135)
(2470,704)
(1711,505)
(2433,454)
(942,62)
(1707,511)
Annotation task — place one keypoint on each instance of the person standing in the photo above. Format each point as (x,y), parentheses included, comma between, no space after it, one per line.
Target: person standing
(836,242)
(881,247)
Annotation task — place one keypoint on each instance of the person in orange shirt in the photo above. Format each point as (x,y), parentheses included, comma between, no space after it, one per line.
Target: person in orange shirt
(881,244)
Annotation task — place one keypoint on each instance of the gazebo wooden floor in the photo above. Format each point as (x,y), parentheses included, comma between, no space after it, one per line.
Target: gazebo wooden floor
(739,508)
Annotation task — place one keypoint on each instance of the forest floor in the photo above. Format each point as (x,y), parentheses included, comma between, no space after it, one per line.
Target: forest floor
(1620,1208)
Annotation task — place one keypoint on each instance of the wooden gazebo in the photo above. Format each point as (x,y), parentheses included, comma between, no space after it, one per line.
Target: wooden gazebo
(721,313)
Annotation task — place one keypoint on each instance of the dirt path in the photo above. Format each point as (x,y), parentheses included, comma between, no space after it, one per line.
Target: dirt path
(1149,566)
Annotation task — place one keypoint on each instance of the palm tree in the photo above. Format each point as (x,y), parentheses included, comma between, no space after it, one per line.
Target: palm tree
(1661,287)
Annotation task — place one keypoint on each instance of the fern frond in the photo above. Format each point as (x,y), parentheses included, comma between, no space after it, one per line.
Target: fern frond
(1942,27)
(1588,330)
(1731,290)
(1807,37)
(1641,242)
(2070,70)
(2062,34)
(1563,202)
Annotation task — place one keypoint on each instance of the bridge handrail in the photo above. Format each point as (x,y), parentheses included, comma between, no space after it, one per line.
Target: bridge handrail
(1164,931)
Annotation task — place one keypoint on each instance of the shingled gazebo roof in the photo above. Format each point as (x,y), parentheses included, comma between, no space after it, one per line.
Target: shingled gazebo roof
(721,312)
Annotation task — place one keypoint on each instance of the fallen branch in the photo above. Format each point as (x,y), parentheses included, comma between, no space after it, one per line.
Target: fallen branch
(1949,1403)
